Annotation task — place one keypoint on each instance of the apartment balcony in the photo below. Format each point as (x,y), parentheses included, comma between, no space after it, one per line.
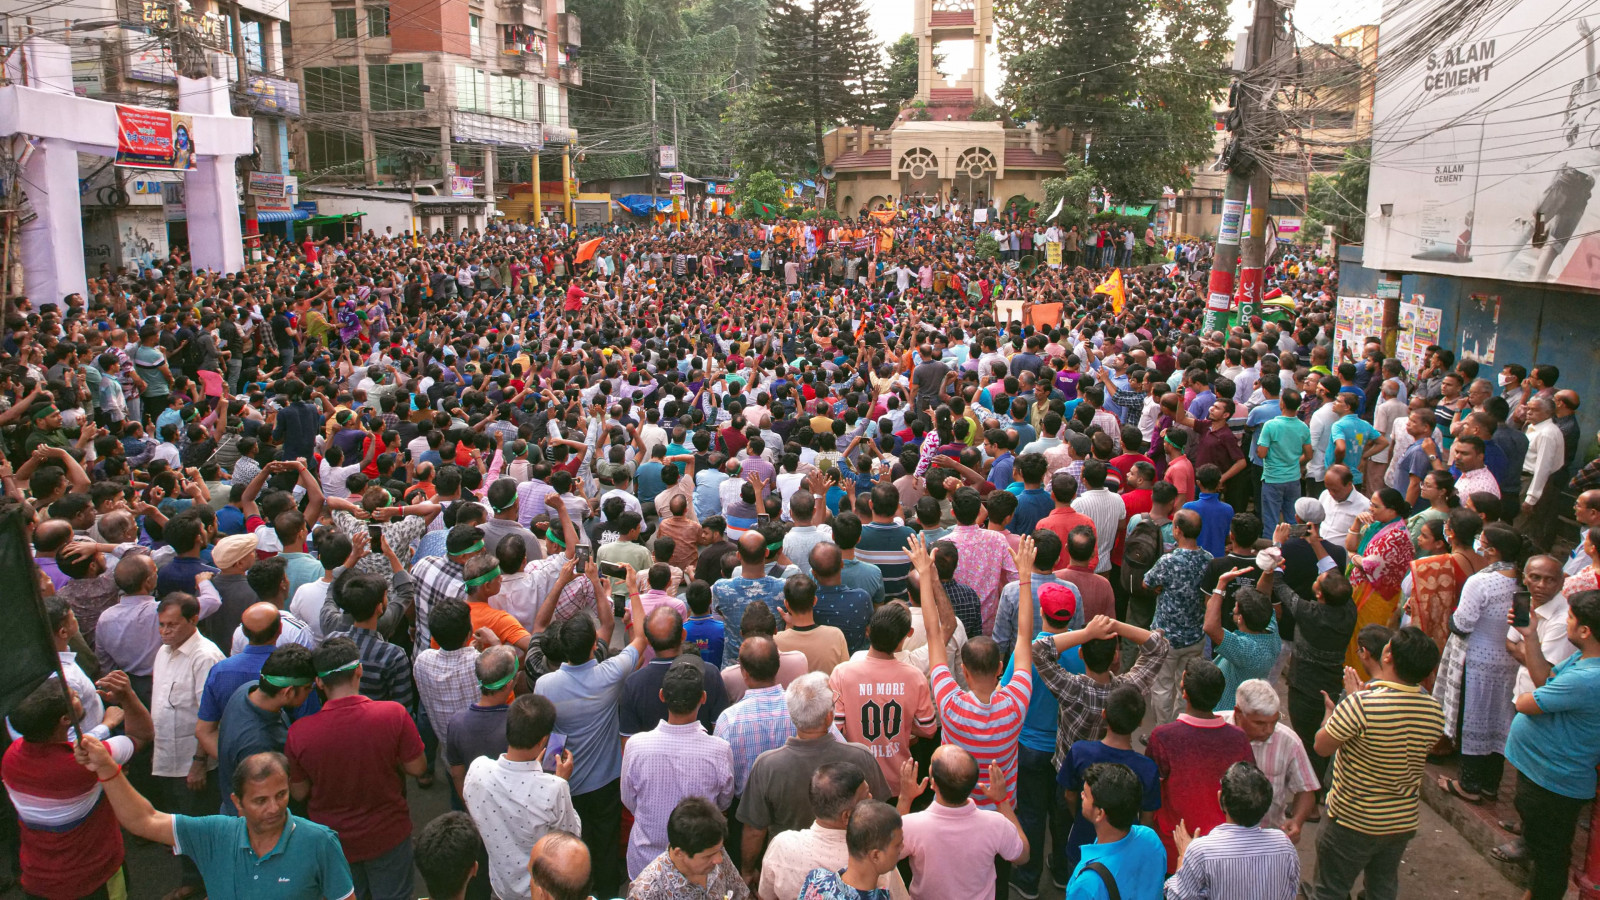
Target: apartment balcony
(520,12)
(571,75)
(569,30)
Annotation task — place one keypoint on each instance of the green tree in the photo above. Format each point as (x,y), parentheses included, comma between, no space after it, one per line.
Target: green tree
(1340,199)
(700,54)
(900,78)
(762,186)
(1072,191)
(1139,76)
(821,69)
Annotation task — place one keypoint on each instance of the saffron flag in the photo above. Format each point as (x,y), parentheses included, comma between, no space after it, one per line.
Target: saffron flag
(587,248)
(1112,287)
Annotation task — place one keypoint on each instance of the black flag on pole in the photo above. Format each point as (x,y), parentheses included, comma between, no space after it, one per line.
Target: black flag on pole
(27,652)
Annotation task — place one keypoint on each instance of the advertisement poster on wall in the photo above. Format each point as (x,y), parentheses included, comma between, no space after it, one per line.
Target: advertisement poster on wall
(154,139)
(1486,146)
(1358,318)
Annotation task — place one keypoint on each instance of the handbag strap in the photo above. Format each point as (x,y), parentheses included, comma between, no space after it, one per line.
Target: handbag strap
(1100,869)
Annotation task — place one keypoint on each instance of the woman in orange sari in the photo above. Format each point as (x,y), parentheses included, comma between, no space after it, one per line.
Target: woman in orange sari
(1435,581)
(1380,554)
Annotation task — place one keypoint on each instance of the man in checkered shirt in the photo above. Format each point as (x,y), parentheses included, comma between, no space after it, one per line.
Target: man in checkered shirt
(439,577)
(1083,697)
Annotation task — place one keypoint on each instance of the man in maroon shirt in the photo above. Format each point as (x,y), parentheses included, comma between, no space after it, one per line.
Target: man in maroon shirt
(1192,754)
(348,759)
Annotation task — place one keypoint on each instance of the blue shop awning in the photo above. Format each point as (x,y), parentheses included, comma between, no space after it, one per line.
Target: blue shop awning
(298,215)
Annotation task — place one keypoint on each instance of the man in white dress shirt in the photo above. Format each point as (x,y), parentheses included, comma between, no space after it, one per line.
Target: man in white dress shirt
(514,801)
(187,773)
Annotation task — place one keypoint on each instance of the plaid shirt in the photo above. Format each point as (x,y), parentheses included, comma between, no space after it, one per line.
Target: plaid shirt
(447,683)
(754,725)
(385,668)
(1131,404)
(437,578)
(1587,478)
(1082,699)
(577,597)
(661,767)
(967,605)
(401,534)
(530,500)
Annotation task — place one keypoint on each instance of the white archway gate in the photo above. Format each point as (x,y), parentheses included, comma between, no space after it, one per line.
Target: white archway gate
(40,105)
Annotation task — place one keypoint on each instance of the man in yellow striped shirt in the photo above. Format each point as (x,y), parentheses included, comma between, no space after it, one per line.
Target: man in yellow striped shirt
(1382,735)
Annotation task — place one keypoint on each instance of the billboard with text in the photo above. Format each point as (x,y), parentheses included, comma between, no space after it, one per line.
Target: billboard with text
(1486,145)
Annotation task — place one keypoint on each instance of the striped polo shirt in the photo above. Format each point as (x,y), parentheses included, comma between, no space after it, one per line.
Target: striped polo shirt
(1387,731)
(988,731)
(884,546)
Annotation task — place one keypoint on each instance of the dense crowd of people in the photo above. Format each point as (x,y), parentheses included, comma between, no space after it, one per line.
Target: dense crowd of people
(740,559)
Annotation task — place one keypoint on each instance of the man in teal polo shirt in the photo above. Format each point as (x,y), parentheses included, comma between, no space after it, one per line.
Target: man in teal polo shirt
(1555,744)
(268,853)
(1283,447)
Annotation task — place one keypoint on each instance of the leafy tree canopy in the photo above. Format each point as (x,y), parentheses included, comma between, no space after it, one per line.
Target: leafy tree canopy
(1138,75)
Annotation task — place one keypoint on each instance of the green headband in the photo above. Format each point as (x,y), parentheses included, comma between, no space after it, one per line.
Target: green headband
(485,578)
(347,667)
(507,506)
(550,535)
(465,550)
(286,681)
(1167,439)
(497,684)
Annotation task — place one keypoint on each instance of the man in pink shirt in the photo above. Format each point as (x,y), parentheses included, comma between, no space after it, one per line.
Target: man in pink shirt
(956,849)
(983,560)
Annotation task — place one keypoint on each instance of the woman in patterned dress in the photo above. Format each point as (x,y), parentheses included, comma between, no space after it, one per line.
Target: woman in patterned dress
(1380,556)
(1477,672)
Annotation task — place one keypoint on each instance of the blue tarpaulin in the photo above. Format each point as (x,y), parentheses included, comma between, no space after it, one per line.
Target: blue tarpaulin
(639,204)
(298,215)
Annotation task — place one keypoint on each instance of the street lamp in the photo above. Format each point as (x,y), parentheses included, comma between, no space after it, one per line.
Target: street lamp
(566,176)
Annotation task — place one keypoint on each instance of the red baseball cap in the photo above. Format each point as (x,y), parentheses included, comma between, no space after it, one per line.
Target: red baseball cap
(1058,602)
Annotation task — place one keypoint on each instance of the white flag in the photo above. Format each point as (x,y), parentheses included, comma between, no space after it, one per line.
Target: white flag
(1059,204)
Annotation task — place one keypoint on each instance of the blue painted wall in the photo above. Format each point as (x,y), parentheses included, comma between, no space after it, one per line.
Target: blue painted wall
(1537,325)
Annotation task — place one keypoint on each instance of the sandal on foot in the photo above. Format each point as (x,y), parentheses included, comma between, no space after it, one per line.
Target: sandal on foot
(1453,786)
(1511,851)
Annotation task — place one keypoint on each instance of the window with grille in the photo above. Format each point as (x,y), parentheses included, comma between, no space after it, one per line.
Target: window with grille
(344,23)
(472,89)
(511,98)
(395,87)
(332,89)
(333,150)
(377,21)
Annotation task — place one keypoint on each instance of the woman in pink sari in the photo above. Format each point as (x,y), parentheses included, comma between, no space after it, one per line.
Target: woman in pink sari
(1380,557)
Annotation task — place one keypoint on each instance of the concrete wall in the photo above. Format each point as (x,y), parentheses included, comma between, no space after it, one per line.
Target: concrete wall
(1500,322)
(379,213)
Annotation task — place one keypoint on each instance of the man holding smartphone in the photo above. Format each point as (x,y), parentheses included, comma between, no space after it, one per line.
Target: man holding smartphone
(1555,743)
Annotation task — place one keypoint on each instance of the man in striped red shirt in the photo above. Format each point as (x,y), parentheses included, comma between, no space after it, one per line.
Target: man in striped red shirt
(71,845)
(986,719)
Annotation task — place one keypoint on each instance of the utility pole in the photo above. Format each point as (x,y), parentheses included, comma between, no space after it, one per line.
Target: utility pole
(655,153)
(1244,172)
(677,201)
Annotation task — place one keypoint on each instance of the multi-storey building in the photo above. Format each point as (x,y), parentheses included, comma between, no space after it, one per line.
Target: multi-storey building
(452,100)
(123,52)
